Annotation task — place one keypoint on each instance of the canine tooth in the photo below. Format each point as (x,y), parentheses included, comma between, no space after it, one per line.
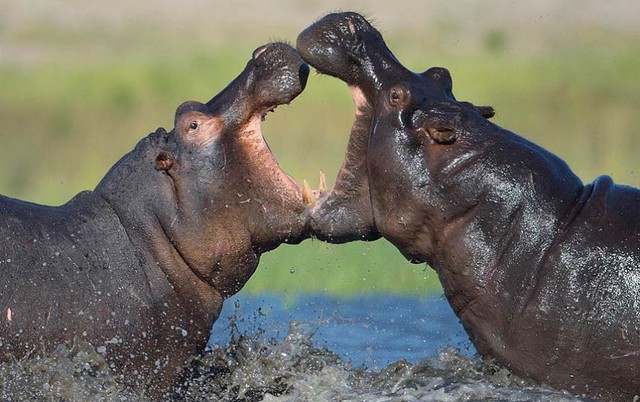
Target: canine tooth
(323,183)
(307,195)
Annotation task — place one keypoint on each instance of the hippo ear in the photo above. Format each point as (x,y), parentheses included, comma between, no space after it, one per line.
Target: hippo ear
(439,77)
(164,161)
(486,111)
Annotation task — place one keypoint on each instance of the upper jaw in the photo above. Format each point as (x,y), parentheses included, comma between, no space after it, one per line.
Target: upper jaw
(275,75)
(333,45)
(279,76)
(346,46)
(333,38)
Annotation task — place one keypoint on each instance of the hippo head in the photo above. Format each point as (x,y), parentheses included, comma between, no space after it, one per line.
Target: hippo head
(422,147)
(221,167)
(208,195)
(401,117)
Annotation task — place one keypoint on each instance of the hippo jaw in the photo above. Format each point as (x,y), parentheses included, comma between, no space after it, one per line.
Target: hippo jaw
(346,46)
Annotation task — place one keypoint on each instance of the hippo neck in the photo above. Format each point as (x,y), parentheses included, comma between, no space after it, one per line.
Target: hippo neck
(167,272)
(490,255)
(133,190)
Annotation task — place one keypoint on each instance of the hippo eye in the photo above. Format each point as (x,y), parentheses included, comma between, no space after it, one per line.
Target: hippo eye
(193,125)
(398,95)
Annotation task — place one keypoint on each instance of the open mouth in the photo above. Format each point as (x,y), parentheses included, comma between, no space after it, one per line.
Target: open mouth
(253,139)
(308,195)
(275,76)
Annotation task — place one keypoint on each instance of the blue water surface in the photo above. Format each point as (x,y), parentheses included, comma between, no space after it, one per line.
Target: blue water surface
(371,330)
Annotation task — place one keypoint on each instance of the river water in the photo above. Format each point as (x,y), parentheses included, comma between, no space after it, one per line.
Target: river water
(307,348)
(370,331)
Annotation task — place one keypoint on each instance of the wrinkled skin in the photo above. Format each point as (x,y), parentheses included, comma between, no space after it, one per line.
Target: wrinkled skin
(140,266)
(543,271)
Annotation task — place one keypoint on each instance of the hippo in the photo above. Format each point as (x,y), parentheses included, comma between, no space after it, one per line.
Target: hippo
(140,266)
(542,270)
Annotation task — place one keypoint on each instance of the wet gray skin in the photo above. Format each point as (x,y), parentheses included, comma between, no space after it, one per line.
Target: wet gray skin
(543,271)
(140,266)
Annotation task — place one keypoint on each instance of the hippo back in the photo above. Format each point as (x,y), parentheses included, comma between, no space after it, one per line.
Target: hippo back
(585,304)
(71,272)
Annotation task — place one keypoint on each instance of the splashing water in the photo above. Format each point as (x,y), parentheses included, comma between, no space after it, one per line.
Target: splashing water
(249,369)
(73,372)
(253,366)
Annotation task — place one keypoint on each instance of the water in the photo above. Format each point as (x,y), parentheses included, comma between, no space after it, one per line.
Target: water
(312,348)
(368,330)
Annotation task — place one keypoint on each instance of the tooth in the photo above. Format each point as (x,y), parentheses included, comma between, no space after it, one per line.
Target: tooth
(323,183)
(307,195)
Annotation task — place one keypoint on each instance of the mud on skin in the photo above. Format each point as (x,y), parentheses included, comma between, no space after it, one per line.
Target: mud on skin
(140,266)
(543,271)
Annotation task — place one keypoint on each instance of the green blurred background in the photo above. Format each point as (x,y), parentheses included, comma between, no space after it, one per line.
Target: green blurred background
(82,81)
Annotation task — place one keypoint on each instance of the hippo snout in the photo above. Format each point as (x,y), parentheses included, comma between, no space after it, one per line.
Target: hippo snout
(283,73)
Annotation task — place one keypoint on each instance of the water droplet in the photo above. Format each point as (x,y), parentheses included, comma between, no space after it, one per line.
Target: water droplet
(292,271)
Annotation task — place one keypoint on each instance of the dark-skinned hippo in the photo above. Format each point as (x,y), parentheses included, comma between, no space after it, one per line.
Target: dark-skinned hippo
(542,271)
(140,266)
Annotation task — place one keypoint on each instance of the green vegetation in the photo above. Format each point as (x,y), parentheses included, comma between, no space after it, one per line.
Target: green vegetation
(65,124)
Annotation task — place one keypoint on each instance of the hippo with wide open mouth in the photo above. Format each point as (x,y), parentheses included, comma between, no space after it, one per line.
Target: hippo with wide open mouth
(140,266)
(543,271)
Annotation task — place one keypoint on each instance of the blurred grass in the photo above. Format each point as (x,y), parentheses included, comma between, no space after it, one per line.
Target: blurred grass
(63,124)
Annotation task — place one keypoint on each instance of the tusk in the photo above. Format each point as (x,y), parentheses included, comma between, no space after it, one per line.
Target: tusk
(307,195)
(323,183)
